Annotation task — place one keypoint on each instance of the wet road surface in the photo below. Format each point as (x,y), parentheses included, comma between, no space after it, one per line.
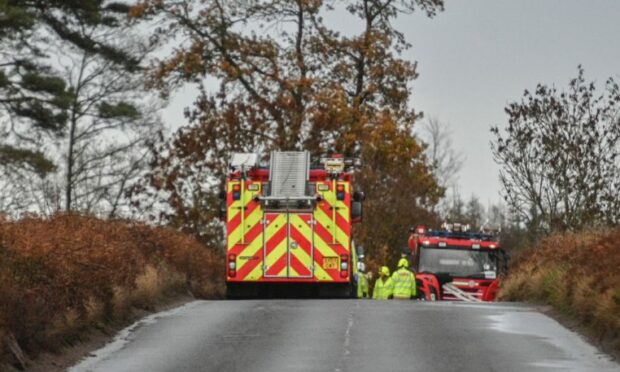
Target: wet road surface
(347,335)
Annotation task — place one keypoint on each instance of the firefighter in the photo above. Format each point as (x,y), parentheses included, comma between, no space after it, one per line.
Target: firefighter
(362,281)
(383,285)
(403,281)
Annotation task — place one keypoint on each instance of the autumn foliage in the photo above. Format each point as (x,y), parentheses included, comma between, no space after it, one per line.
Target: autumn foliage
(578,274)
(277,75)
(63,275)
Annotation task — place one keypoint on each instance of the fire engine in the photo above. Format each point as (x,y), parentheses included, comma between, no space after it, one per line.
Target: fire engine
(453,263)
(289,224)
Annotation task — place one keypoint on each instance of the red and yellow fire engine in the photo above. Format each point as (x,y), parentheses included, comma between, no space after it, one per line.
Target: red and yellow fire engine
(290,223)
(454,263)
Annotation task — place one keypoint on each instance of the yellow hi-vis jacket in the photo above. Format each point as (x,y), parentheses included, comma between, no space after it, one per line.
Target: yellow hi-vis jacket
(404,284)
(362,285)
(383,288)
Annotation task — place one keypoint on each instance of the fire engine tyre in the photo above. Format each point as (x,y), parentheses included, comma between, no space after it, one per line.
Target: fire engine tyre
(337,291)
(240,291)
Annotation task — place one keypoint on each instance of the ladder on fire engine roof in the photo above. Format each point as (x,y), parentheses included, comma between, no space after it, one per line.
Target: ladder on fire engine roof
(289,172)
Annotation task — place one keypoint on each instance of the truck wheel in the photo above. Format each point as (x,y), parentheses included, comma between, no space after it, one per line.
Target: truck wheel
(233,291)
(243,290)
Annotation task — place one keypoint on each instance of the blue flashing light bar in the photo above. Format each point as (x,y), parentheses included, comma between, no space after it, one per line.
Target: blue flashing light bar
(468,235)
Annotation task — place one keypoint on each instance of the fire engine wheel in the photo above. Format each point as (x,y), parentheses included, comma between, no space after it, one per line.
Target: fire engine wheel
(240,291)
(337,291)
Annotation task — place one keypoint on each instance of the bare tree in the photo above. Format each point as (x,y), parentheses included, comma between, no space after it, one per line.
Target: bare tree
(110,123)
(560,156)
(111,120)
(111,117)
(446,161)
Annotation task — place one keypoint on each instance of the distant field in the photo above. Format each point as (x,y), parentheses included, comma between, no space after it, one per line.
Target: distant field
(65,275)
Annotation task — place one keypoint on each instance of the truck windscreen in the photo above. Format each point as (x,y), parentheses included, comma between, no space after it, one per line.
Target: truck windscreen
(459,262)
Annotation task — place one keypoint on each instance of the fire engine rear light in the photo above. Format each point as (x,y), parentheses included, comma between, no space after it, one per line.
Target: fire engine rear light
(426,242)
(236,191)
(344,265)
(492,246)
(340,192)
(232,265)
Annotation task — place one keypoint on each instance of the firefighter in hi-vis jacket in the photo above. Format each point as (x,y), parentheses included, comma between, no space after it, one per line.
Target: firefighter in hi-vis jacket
(383,285)
(403,281)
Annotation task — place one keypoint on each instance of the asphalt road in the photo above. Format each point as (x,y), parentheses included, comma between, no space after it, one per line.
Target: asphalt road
(347,335)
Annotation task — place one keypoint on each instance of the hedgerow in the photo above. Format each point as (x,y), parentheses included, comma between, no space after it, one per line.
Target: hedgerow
(578,274)
(63,275)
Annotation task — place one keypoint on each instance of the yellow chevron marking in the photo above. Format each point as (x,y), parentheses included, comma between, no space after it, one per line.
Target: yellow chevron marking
(256,273)
(343,210)
(326,251)
(280,249)
(323,247)
(326,222)
(235,207)
(321,274)
(292,273)
(300,225)
(278,252)
(279,221)
(251,249)
(250,221)
(234,237)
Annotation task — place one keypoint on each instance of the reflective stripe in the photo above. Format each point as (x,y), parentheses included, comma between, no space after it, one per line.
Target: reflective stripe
(297,251)
(325,243)
(276,245)
(300,245)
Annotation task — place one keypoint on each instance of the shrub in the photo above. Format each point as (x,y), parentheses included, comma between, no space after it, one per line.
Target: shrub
(62,275)
(578,274)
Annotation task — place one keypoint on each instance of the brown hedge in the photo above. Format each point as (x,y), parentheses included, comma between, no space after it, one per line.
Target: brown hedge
(64,274)
(578,274)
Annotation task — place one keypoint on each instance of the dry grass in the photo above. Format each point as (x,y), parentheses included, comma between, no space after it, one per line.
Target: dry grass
(577,274)
(62,276)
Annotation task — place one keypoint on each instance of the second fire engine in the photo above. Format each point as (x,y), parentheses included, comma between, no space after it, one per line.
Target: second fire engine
(454,263)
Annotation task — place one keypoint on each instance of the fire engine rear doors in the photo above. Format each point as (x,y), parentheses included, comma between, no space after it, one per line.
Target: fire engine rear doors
(288,245)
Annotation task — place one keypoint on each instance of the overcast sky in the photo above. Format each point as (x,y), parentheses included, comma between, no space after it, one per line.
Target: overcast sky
(478,55)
